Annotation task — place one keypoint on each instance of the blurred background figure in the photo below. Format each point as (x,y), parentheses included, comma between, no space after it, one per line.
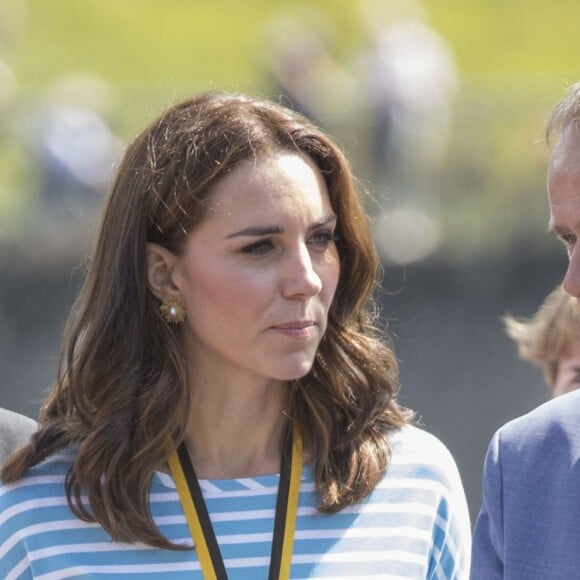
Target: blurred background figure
(13,15)
(7,84)
(69,153)
(74,146)
(551,339)
(300,67)
(410,80)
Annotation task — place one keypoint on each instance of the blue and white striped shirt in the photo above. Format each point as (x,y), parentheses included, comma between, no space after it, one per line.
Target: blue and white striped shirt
(414,524)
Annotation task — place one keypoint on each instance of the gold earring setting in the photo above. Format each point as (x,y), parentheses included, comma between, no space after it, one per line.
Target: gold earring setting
(173,310)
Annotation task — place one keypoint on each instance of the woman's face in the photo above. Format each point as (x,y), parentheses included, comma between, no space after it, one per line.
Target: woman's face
(258,275)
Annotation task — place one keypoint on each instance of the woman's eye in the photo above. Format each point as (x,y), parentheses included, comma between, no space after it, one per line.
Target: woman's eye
(258,248)
(323,239)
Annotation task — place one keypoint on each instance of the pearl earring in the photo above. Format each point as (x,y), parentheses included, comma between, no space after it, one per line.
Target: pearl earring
(173,310)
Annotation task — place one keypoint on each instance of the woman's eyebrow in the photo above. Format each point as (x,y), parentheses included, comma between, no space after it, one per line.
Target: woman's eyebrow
(324,221)
(270,230)
(257,231)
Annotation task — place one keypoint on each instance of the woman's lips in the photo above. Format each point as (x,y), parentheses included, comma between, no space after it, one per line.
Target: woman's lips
(297,328)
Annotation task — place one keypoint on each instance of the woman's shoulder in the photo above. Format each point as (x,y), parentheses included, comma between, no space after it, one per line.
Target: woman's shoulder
(421,453)
(34,511)
(423,465)
(43,479)
(416,442)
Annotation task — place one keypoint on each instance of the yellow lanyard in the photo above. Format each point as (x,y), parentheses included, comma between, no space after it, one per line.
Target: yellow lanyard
(200,527)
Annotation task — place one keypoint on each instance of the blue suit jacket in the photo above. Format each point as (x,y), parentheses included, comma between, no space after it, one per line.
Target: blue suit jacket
(529,524)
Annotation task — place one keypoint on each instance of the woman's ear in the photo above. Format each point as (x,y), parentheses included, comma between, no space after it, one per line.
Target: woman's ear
(160,271)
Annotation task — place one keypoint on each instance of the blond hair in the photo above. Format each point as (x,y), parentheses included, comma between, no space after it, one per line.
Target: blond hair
(548,335)
(565,113)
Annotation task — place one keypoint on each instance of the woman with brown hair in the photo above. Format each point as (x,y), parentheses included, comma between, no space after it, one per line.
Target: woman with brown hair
(222,383)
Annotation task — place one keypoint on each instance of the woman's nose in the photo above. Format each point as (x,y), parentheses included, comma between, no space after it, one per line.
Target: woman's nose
(301,279)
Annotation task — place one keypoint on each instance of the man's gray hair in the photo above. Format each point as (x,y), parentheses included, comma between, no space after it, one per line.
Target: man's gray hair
(566,112)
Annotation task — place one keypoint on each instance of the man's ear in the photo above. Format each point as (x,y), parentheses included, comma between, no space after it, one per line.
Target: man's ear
(161,272)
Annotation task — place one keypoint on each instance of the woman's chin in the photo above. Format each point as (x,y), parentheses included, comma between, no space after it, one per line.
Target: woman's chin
(295,372)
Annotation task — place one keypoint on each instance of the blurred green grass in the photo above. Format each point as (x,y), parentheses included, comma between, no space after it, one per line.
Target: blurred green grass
(152,42)
(515,59)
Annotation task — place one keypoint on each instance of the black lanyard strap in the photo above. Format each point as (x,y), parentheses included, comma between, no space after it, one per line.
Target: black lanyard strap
(202,513)
(200,525)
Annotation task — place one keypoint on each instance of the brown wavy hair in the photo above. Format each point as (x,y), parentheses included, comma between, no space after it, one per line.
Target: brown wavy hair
(121,392)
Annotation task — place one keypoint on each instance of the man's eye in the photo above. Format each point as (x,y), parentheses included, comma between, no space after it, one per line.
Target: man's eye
(569,242)
(569,239)
(258,248)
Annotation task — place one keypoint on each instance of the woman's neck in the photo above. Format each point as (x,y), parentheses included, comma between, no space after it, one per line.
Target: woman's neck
(236,432)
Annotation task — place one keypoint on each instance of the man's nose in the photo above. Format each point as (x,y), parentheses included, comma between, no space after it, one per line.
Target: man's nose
(571,283)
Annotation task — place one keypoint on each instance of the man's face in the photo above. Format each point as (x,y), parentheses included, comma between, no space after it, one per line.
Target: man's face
(564,198)
(568,376)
